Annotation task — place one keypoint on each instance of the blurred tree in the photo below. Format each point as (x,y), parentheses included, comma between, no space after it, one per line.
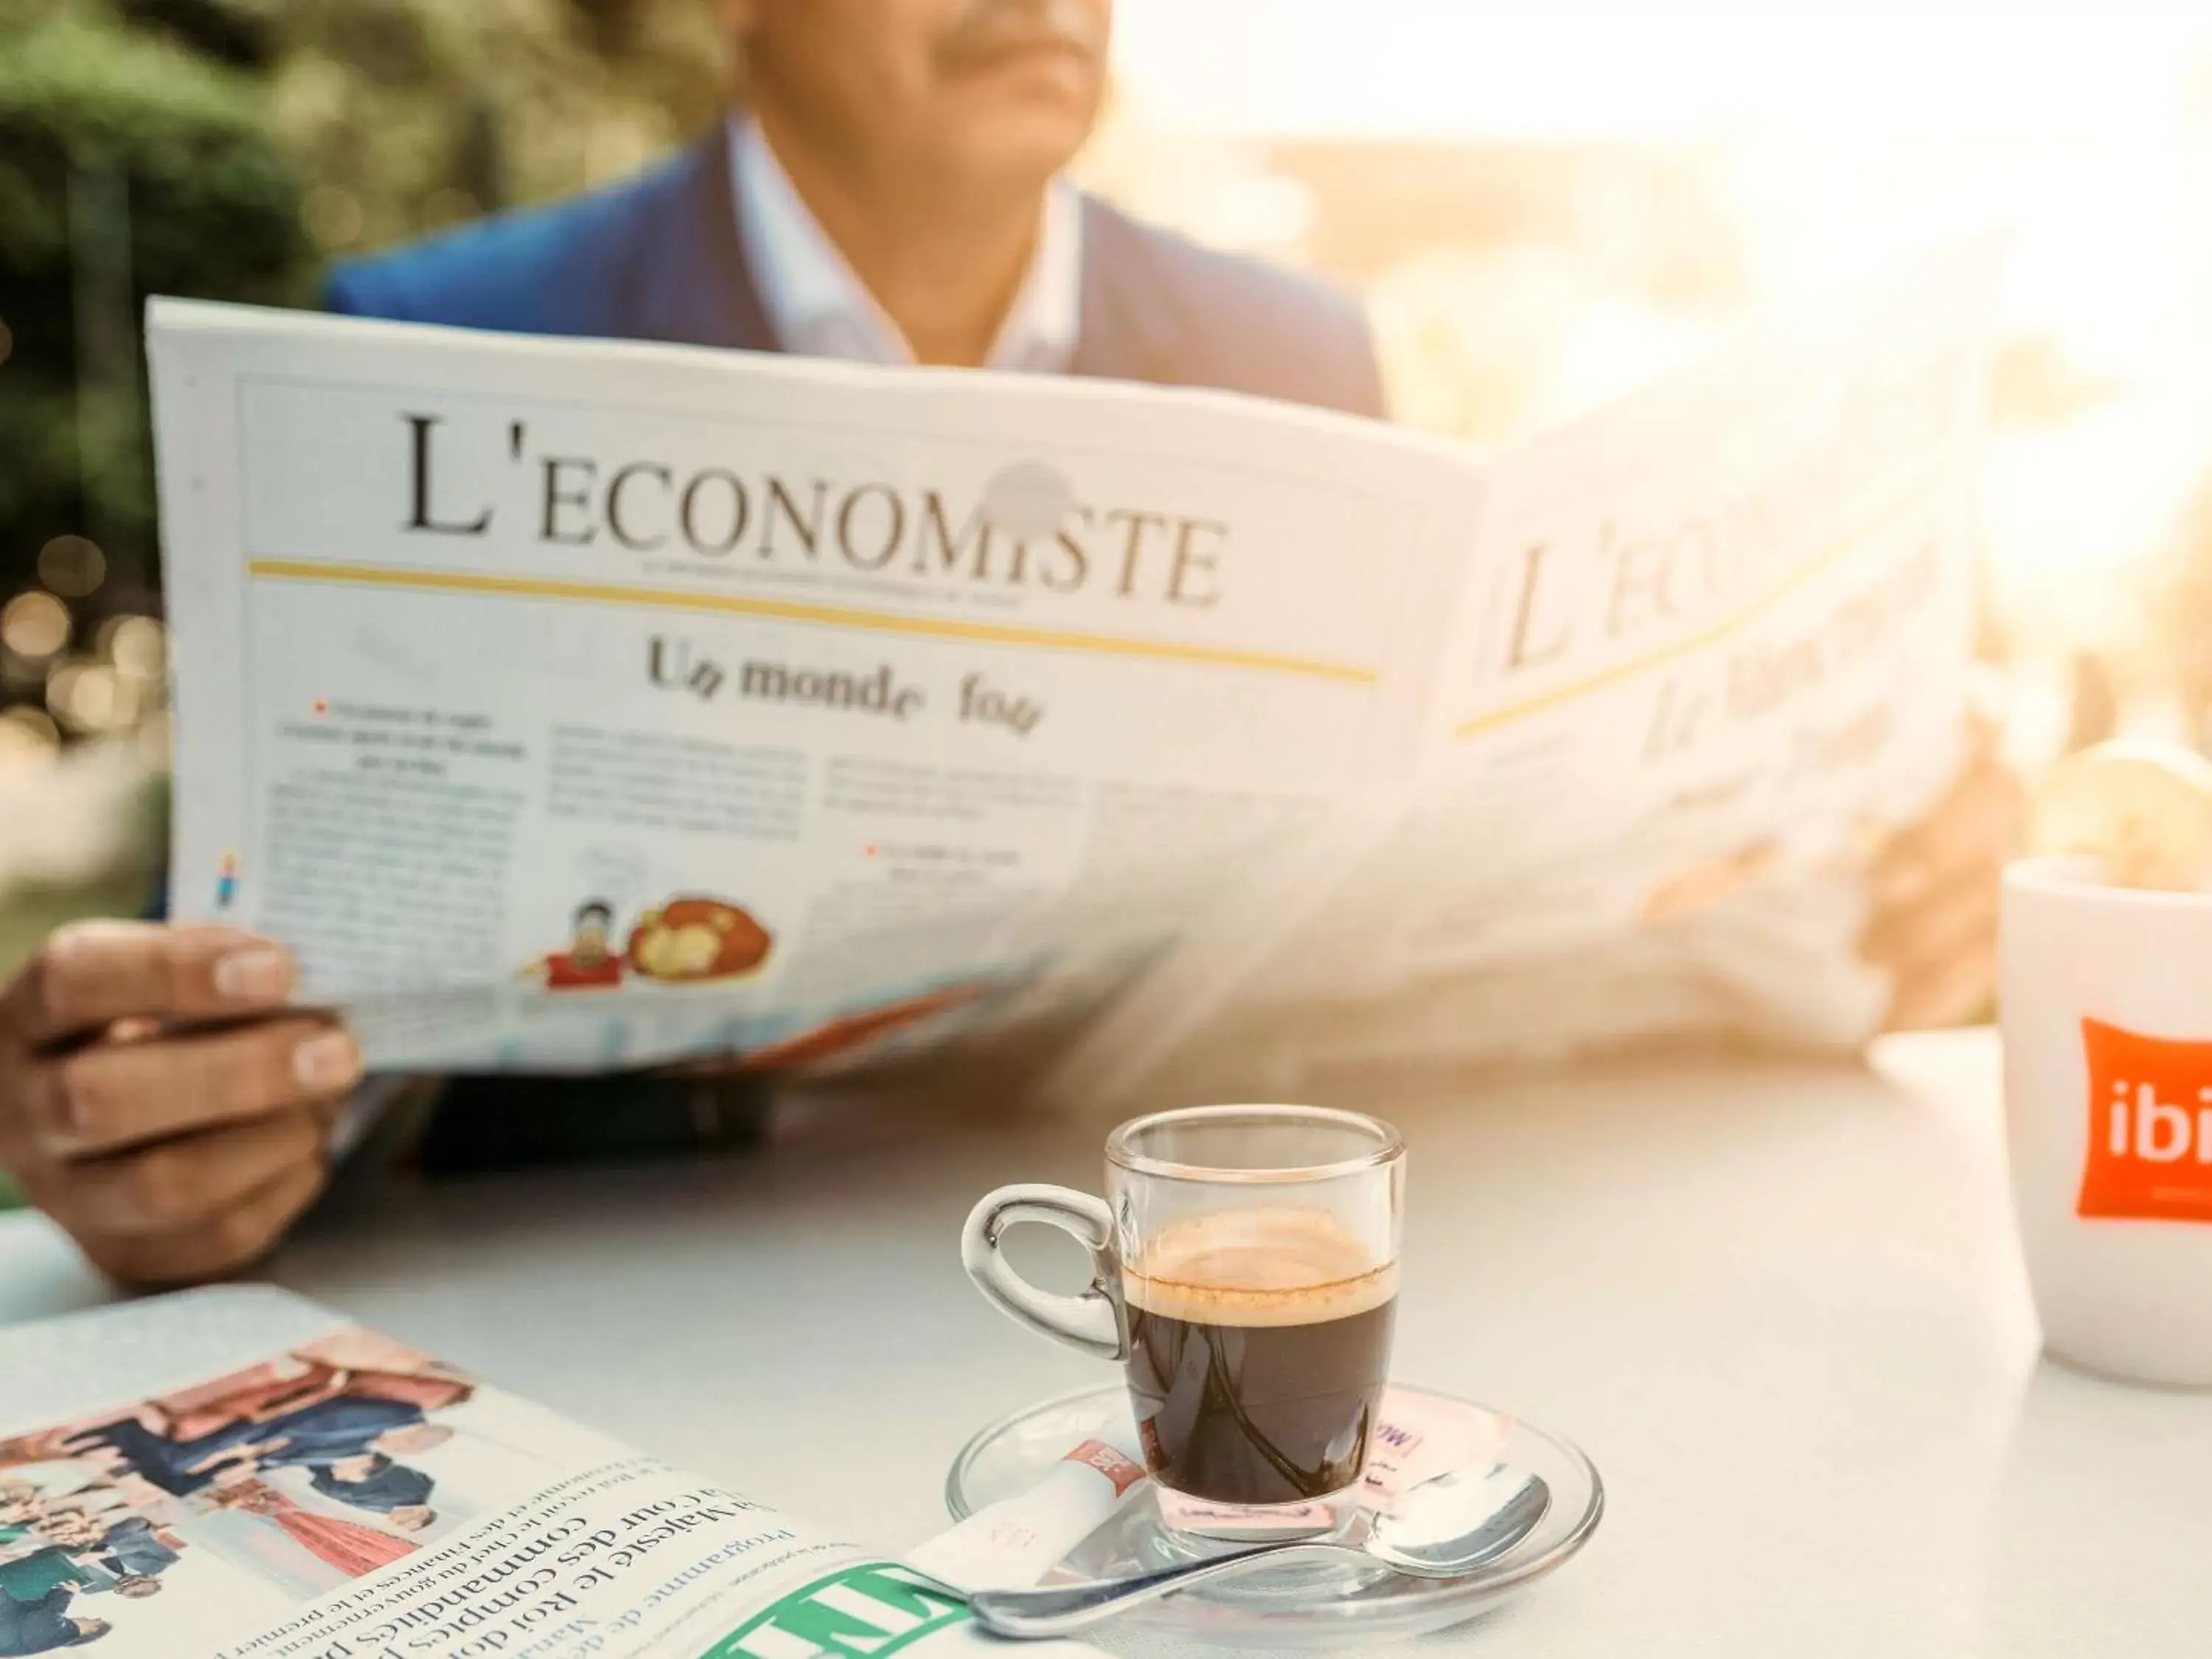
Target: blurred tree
(132,161)
(239,33)
(411,115)
(226,149)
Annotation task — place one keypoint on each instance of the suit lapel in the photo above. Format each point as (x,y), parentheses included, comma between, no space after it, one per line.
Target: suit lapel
(701,288)
(1128,332)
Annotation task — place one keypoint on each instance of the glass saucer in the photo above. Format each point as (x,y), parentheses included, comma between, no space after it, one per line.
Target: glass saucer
(1324,1605)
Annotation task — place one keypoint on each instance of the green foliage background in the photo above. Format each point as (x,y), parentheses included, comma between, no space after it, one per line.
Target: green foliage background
(153,160)
(229,149)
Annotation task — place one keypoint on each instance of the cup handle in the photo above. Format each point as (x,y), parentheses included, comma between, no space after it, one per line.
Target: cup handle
(1094,1321)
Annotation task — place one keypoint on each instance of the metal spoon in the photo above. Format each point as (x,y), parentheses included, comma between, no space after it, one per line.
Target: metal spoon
(1444,1528)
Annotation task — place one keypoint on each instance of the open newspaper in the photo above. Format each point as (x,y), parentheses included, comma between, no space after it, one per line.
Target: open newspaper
(574,705)
(240,1474)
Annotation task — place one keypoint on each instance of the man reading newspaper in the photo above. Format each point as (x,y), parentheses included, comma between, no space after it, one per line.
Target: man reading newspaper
(887,189)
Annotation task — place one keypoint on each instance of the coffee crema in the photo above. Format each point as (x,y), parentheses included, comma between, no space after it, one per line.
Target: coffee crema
(1260,1343)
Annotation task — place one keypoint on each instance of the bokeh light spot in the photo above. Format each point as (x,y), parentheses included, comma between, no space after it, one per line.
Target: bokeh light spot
(34,625)
(72,566)
(331,217)
(91,697)
(27,736)
(138,647)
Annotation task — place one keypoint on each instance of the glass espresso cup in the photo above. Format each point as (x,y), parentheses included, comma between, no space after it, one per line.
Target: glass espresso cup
(1245,1275)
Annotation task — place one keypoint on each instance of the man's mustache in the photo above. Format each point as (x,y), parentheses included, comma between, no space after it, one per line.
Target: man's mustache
(991,27)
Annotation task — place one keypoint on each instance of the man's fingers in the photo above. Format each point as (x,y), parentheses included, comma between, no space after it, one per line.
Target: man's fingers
(1958,991)
(241,1235)
(1950,924)
(91,974)
(184,1185)
(114,1095)
(1976,827)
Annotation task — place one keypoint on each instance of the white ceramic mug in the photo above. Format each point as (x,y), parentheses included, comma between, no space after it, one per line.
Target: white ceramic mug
(2107,1013)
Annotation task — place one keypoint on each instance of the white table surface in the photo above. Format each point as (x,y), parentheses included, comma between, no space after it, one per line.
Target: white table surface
(1777,1303)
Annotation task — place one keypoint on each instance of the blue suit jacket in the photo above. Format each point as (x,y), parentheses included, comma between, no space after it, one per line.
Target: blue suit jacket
(661,258)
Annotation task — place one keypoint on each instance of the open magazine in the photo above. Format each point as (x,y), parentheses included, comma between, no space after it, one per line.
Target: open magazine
(575,705)
(239,1474)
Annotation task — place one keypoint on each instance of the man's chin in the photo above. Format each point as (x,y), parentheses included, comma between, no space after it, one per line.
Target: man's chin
(1022,139)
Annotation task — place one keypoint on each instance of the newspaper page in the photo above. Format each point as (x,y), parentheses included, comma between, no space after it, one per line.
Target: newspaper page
(575,705)
(1713,646)
(239,1474)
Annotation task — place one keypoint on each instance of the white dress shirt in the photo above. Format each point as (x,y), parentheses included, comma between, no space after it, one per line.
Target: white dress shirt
(820,308)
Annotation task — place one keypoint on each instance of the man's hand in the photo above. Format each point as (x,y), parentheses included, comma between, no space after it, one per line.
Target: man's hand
(1934,894)
(157,1100)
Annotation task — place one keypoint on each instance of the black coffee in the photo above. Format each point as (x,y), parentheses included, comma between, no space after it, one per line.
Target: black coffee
(1259,1346)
